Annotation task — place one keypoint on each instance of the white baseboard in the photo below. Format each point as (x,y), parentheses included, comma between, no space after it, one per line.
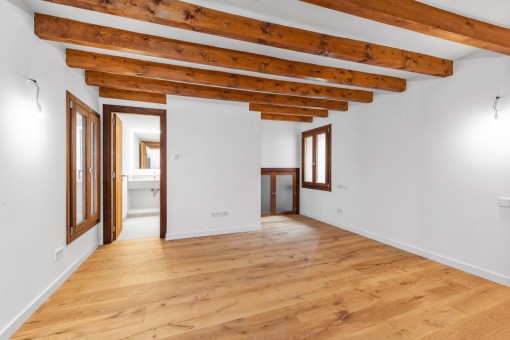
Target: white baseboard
(30,309)
(170,236)
(486,274)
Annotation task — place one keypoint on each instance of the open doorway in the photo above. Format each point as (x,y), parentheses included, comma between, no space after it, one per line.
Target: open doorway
(134,173)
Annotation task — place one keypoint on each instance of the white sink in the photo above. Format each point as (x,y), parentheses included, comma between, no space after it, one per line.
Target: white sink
(143,184)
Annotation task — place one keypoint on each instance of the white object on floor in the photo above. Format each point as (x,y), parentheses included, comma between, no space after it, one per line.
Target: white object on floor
(139,227)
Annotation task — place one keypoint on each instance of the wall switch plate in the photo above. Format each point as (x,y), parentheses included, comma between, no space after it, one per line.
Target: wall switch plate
(220,214)
(504,202)
(58,254)
(339,211)
(343,187)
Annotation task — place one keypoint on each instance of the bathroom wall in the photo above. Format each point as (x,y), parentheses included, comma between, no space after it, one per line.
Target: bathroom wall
(134,129)
(126,167)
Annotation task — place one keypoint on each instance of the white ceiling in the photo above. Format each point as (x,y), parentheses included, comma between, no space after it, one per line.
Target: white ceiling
(302,15)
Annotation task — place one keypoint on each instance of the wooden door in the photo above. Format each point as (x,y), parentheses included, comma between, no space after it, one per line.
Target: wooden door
(109,166)
(279,192)
(117,202)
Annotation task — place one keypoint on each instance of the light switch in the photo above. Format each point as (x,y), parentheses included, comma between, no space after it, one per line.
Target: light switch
(175,157)
(504,202)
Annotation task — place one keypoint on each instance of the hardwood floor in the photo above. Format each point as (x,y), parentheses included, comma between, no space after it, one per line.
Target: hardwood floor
(297,278)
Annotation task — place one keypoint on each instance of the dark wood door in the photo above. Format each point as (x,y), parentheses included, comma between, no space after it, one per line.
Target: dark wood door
(279,191)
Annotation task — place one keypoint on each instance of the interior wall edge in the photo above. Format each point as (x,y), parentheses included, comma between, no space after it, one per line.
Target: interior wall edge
(45,295)
(466,267)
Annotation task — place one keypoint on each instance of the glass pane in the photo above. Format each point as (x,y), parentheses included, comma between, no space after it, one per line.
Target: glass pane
(284,193)
(80,168)
(266,194)
(93,169)
(308,159)
(321,158)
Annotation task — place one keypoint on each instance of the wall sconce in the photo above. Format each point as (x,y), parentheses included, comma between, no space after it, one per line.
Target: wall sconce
(37,105)
(495,107)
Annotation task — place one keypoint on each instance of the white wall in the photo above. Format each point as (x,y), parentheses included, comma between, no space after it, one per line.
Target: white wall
(127,155)
(280,144)
(425,169)
(33,168)
(218,169)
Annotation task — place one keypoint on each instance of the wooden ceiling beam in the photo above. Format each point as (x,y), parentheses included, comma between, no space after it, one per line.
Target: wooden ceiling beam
(286,118)
(286,110)
(419,17)
(188,16)
(148,69)
(84,34)
(130,83)
(147,97)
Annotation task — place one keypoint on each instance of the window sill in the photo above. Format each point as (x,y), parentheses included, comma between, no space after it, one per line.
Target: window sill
(316,187)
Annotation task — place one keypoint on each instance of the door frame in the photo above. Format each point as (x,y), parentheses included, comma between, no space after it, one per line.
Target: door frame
(282,171)
(108,111)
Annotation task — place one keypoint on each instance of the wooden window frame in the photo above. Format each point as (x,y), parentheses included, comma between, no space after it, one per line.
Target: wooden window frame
(314,133)
(73,230)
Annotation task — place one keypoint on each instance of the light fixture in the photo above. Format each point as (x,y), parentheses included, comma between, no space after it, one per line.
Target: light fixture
(495,107)
(37,105)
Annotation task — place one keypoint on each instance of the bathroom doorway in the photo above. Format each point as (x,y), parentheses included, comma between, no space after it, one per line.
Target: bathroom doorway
(134,173)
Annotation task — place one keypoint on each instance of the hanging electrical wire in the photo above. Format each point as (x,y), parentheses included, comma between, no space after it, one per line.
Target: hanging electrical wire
(495,106)
(34,82)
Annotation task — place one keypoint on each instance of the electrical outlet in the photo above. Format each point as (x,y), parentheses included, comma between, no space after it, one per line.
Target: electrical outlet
(58,254)
(339,211)
(220,214)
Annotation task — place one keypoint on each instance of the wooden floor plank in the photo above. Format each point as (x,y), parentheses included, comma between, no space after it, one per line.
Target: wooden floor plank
(295,279)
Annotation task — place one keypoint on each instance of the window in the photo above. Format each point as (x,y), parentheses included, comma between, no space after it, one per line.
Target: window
(83,165)
(316,158)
